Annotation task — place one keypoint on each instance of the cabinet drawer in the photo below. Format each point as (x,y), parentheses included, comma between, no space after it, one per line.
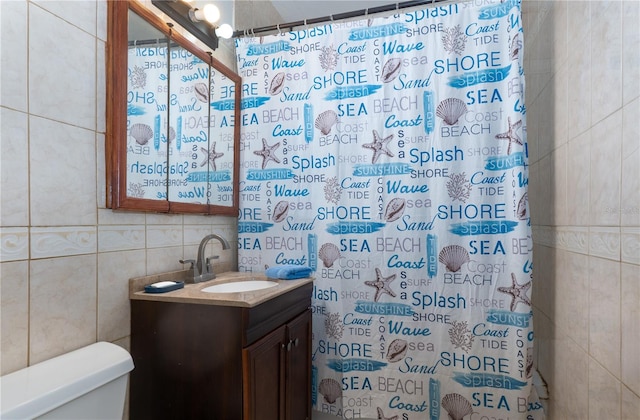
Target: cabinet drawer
(266,317)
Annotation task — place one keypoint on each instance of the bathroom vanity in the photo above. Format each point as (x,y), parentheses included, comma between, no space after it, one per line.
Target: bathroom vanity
(244,355)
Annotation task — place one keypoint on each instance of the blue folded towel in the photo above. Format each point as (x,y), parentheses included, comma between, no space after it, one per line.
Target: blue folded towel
(288,272)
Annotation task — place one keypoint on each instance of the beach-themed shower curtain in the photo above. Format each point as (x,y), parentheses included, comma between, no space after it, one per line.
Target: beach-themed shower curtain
(389,154)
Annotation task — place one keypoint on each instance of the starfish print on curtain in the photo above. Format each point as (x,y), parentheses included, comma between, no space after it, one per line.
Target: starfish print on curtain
(211,156)
(517,291)
(267,153)
(382,285)
(379,146)
(511,134)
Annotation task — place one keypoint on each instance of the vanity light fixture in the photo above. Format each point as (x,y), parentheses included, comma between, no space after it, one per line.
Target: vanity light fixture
(199,22)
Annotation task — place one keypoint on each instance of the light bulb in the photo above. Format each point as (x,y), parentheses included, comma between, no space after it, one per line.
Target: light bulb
(224,31)
(211,13)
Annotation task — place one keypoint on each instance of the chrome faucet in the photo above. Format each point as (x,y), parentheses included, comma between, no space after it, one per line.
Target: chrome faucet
(202,270)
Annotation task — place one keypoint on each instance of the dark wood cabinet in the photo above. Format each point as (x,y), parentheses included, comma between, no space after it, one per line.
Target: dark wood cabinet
(277,373)
(198,361)
(298,377)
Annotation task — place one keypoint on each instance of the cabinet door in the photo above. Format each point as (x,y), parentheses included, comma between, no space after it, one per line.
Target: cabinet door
(263,374)
(298,377)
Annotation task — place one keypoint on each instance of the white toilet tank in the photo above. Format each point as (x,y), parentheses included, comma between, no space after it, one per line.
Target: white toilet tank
(88,383)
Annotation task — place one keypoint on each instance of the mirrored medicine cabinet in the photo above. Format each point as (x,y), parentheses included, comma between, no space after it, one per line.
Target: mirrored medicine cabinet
(172,119)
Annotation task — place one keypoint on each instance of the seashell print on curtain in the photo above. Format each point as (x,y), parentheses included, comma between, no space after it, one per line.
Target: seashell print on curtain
(389,154)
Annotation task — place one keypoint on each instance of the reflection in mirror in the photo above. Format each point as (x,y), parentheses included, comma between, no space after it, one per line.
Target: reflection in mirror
(223,152)
(189,113)
(147,84)
(172,138)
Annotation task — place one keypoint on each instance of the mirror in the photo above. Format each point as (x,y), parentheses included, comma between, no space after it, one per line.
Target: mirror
(172,137)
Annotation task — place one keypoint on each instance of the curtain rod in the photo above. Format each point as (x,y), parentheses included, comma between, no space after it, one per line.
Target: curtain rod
(332,18)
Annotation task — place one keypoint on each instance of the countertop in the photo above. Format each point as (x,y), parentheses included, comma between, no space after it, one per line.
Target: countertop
(191,293)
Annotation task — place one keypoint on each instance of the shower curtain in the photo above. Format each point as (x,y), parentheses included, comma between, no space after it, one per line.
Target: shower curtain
(389,155)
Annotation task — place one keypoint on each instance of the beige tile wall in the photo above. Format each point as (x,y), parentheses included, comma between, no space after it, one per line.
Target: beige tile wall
(582,66)
(65,259)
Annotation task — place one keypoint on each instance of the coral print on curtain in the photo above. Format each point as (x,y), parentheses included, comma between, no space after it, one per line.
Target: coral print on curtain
(390,156)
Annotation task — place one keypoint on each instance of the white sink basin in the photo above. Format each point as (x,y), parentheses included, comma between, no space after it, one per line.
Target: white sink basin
(240,286)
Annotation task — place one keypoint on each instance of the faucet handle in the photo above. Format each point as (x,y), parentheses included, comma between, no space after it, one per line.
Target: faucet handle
(191,262)
(208,262)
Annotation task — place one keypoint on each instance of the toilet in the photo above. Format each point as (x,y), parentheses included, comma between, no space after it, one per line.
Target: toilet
(88,383)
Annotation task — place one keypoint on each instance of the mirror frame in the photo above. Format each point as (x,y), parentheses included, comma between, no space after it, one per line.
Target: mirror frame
(116,114)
